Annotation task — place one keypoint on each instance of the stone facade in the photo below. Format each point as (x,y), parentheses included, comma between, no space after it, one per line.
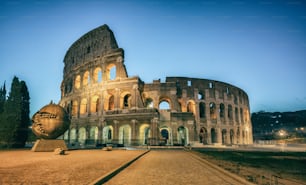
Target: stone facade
(108,106)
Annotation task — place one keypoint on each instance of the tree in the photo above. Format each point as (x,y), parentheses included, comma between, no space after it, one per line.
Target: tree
(2,97)
(15,117)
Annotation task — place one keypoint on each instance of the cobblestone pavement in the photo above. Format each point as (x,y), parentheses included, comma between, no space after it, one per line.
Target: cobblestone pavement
(170,167)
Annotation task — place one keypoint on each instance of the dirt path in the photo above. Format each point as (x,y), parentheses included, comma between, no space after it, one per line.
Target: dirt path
(170,167)
(77,167)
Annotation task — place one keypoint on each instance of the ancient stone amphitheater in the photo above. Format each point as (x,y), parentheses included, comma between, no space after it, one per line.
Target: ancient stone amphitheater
(109,107)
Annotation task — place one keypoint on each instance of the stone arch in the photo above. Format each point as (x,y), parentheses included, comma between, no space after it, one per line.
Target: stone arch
(149,103)
(230,112)
(202,110)
(165,134)
(214,137)
(221,110)
(201,95)
(125,135)
(236,115)
(73,136)
(241,116)
(93,135)
(111,72)
(164,104)
(224,136)
(83,106)
(95,104)
(232,136)
(191,107)
(203,136)
(111,102)
(144,134)
(125,100)
(86,78)
(75,107)
(82,136)
(97,75)
(182,135)
(212,111)
(107,135)
(77,82)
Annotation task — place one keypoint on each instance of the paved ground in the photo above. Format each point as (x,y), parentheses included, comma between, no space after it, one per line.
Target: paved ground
(171,167)
(77,167)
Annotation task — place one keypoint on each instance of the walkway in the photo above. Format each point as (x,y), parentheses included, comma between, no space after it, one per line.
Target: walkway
(172,167)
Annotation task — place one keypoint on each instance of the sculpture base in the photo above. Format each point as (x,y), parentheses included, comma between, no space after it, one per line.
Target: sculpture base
(43,145)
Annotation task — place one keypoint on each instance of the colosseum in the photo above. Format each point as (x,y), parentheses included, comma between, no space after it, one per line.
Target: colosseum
(109,107)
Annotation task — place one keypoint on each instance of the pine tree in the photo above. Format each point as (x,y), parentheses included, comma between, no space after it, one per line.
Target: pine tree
(2,97)
(2,117)
(15,117)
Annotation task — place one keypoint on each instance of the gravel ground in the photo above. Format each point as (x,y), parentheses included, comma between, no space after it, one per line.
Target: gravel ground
(166,167)
(76,167)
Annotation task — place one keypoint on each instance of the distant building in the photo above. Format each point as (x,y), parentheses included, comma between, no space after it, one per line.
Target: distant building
(108,106)
(269,125)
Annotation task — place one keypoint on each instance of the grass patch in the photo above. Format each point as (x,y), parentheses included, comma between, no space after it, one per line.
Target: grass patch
(259,164)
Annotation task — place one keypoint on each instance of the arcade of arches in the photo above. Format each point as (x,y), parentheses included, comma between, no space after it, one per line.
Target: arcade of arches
(108,106)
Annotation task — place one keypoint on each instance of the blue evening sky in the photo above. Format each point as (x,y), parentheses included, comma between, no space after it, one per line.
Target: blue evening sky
(257,45)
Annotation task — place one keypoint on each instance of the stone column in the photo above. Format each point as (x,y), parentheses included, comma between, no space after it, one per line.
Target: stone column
(116,132)
(134,140)
(154,132)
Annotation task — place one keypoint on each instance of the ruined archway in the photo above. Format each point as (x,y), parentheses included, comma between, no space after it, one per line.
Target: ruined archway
(125,135)
(213,134)
(107,135)
(203,136)
(182,135)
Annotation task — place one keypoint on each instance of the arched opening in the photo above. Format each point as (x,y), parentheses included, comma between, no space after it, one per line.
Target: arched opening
(164,105)
(203,136)
(230,112)
(97,76)
(238,135)
(95,104)
(127,101)
(83,107)
(86,78)
(107,134)
(201,96)
(221,110)
(73,137)
(164,132)
(191,107)
(144,134)
(232,136)
(212,108)
(224,136)
(111,103)
(213,134)
(241,115)
(111,72)
(149,103)
(202,110)
(82,136)
(182,136)
(125,135)
(75,108)
(236,114)
(93,135)
(77,82)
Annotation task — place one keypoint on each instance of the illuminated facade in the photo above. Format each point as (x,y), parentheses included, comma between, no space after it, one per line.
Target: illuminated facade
(108,106)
